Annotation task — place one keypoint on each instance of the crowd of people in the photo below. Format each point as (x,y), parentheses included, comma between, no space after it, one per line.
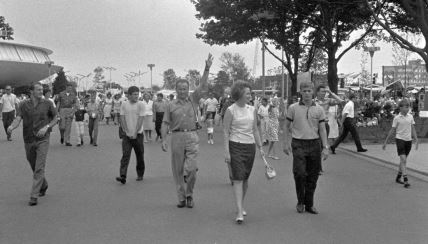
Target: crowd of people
(249,123)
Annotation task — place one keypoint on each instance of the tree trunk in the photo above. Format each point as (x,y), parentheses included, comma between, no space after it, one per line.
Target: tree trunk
(332,77)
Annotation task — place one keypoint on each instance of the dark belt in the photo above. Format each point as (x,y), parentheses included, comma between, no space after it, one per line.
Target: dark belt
(184,130)
(306,140)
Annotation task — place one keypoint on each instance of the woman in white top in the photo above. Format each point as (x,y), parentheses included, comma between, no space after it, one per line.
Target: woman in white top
(148,117)
(241,136)
(108,106)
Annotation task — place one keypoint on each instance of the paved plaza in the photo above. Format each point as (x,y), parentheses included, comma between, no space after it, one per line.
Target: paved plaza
(359,202)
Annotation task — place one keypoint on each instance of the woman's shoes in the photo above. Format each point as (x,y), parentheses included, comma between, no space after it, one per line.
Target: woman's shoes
(239,220)
(244,213)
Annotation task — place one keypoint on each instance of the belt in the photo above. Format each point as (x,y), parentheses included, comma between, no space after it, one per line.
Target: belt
(306,140)
(184,130)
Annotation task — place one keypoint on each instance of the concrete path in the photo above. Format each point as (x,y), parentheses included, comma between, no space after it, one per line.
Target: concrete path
(358,201)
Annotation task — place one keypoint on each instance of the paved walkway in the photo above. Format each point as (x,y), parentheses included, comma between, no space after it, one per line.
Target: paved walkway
(359,202)
(417,160)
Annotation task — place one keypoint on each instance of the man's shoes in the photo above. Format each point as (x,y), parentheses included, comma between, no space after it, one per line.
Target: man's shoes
(9,139)
(398,180)
(42,192)
(311,210)
(121,180)
(68,144)
(81,142)
(406,184)
(92,141)
(333,150)
(78,145)
(189,202)
(300,208)
(32,202)
(62,140)
(95,145)
(362,150)
(181,204)
(139,178)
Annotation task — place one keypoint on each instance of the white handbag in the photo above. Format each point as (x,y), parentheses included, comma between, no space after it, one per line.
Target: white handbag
(269,170)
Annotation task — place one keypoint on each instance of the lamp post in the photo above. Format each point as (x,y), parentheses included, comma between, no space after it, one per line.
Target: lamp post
(110,69)
(151,75)
(139,74)
(49,63)
(371,50)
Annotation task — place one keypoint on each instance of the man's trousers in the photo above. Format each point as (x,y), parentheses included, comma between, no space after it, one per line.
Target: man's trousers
(36,153)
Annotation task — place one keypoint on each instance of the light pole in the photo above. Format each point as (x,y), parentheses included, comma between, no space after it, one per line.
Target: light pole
(139,74)
(110,69)
(49,63)
(371,50)
(151,75)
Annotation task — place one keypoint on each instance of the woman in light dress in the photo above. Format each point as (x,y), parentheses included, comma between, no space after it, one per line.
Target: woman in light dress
(273,128)
(108,106)
(148,117)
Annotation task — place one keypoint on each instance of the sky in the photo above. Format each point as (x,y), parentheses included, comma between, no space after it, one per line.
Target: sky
(129,34)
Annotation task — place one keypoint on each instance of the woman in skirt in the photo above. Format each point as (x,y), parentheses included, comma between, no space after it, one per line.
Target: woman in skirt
(148,117)
(241,136)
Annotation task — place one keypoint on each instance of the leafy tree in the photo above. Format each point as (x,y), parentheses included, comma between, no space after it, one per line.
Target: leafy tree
(316,63)
(221,81)
(169,78)
(99,76)
(235,66)
(193,76)
(155,88)
(403,16)
(60,83)
(6,28)
(364,75)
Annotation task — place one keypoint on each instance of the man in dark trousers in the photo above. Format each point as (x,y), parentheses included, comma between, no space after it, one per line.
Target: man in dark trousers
(348,125)
(306,123)
(39,116)
(67,105)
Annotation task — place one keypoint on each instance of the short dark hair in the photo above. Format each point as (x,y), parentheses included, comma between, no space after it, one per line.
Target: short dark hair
(69,84)
(238,89)
(181,81)
(133,89)
(351,96)
(160,95)
(403,103)
(264,99)
(33,84)
(320,87)
(46,91)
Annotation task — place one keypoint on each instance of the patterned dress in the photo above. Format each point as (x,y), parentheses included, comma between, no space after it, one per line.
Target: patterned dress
(273,125)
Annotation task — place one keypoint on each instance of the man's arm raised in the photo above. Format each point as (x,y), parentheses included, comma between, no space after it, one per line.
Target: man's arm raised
(203,84)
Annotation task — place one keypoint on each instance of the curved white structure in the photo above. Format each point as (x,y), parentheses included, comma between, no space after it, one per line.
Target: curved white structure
(22,64)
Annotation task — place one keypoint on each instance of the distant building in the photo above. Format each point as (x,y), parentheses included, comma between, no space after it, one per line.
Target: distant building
(413,74)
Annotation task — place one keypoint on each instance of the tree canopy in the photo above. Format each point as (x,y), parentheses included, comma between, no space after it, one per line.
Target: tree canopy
(169,79)
(234,65)
(6,29)
(60,83)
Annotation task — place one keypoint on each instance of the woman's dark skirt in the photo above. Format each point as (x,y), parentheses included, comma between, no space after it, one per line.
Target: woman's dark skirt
(241,159)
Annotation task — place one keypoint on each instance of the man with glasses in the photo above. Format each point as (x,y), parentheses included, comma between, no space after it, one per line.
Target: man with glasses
(8,105)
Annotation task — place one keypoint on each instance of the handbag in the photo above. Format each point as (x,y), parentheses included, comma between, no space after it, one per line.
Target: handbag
(269,170)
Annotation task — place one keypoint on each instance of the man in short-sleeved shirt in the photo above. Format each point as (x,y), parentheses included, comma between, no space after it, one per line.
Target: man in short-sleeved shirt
(306,122)
(67,105)
(131,122)
(210,106)
(8,104)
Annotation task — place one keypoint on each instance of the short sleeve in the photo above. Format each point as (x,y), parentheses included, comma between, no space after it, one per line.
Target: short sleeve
(1,99)
(52,110)
(19,110)
(122,109)
(412,120)
(141,109)
(394,122)
(166,115)
(321,114)
(290,113)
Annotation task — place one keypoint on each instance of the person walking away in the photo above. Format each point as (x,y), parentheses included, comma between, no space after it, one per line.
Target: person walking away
(182,120)
(116,109)
(80,124)
(39,116)
(131,120)
(263,115)
(94,110)
(108,108)
(348,125)
(210,106)
(148,117)
(403,126)
(210,131)
(67,103)
(305,125)
(159,107)
(273,128)
(8,106)
(241,136)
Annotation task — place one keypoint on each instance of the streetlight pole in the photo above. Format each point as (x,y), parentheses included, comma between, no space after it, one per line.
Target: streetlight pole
(371,50)
(110,69)
(151,75)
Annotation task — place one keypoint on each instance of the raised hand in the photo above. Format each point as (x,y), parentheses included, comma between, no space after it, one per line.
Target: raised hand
(209,61)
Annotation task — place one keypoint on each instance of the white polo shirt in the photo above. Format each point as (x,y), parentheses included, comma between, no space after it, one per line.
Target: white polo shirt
(403,125)
(8,102)
(349,109)
(211,104)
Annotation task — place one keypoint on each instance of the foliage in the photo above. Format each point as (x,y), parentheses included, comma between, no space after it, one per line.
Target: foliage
(364,75)
(234,65)
(193,76)
(99,76)
(155,88)
(59,83)
(169,78)
(5,26)
(318,63)
(222,81)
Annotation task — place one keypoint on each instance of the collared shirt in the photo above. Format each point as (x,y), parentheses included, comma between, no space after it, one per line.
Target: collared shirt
(211,104)
(263,111)
(94,109)
(349,109)
(8,102)
(403,125)
(325,104)
(159,107)
(305,120)
(67,101)
(180,115)
(148,107)
(35,117)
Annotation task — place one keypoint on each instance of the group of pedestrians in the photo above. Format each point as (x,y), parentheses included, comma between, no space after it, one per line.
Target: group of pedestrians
(304,126)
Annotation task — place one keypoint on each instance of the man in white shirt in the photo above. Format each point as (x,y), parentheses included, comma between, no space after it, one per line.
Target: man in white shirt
(348,125)
(131,121)
(8,105)
(210,106)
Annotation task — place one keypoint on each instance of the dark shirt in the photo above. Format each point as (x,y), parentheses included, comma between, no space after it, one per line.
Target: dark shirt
(35,118)
(65,101)
(80,115)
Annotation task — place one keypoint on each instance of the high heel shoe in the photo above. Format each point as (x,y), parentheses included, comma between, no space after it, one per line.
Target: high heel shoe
(239,220)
